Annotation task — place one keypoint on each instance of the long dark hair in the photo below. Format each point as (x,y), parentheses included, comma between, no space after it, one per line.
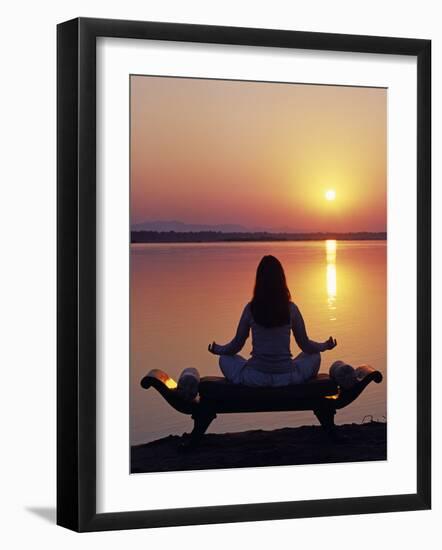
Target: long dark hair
(271,297)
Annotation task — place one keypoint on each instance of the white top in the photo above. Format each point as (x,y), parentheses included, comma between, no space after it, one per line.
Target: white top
(270,346)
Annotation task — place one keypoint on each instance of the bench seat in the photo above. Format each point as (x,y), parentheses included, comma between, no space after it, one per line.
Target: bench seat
(217,388)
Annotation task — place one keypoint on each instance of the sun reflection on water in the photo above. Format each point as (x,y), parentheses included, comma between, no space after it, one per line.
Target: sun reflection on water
(331,281)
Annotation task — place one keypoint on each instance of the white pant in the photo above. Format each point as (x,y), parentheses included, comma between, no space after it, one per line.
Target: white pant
(237,371)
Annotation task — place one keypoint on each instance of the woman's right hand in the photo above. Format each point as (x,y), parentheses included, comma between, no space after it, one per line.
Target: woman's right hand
(211,347)
(331,343)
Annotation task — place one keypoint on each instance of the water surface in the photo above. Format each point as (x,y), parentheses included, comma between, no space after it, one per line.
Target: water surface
(184,296)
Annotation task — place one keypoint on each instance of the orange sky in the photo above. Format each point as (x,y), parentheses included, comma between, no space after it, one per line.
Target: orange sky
(258,154)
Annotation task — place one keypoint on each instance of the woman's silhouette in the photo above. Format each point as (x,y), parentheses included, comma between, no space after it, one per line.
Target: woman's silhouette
(271,315)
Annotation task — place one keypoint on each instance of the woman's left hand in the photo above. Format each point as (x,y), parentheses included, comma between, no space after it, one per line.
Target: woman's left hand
(331,343)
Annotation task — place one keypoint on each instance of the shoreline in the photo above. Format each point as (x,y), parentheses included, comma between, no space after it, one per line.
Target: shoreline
(259,448)
(232,241)
(144,237)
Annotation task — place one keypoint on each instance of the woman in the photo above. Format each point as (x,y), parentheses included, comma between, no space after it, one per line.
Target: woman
(271,315)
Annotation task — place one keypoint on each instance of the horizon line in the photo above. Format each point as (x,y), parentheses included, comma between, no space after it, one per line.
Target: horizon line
(266,232)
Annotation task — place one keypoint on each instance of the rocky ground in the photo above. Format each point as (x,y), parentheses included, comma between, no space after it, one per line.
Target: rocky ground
(286,446)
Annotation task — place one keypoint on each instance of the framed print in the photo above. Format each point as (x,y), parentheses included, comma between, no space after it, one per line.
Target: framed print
(243,274)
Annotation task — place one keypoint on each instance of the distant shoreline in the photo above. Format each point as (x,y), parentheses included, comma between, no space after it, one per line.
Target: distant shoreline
(218,236)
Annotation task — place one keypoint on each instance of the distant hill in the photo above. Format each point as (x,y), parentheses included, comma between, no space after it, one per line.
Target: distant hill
(181,227)
(243,236)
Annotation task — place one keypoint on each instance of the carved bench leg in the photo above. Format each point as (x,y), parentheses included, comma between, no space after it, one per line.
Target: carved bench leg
(201,421)
(326,417)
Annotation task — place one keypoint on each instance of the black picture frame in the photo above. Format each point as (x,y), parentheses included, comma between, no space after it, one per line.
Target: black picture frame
(76,273)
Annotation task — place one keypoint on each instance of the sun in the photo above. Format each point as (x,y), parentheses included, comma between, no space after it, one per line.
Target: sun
(330,195)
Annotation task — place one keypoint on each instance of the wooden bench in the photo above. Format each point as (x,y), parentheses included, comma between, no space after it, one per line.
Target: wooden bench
(322,395)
